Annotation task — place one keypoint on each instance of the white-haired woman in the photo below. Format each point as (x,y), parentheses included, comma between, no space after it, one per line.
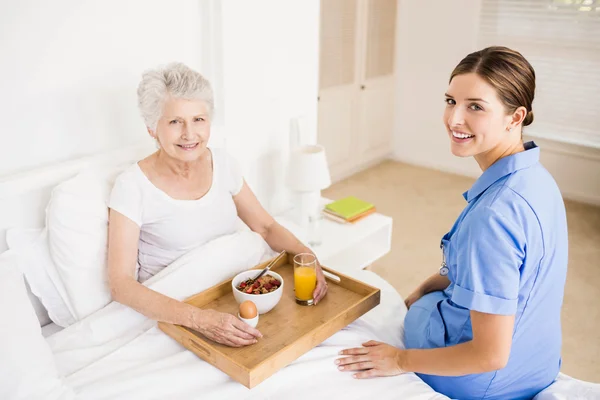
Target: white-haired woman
(178,198)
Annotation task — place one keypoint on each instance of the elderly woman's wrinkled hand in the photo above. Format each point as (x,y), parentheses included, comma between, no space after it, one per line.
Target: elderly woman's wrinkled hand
(321,288)
(225,328)
(372,360)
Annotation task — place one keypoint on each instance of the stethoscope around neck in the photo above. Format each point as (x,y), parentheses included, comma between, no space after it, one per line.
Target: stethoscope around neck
(444,267)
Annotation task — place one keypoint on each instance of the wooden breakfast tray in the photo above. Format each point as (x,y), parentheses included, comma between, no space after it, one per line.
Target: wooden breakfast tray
(289,330)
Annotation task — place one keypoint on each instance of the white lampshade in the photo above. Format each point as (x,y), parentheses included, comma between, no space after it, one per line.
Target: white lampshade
(308,170)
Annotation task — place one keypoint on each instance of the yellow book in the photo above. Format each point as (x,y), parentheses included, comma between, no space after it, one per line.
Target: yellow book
(334,217)
(349,207)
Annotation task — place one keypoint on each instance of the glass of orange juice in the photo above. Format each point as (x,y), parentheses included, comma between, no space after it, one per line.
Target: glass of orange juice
(305,278)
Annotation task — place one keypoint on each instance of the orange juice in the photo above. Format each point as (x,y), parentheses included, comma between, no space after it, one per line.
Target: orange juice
(305,281)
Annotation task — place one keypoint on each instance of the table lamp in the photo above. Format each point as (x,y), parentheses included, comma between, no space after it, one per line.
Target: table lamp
(307,175)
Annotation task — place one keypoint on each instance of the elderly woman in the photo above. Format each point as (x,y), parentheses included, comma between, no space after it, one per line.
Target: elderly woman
(183,195)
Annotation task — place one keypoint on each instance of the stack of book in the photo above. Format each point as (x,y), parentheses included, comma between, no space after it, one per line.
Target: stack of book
(348,210)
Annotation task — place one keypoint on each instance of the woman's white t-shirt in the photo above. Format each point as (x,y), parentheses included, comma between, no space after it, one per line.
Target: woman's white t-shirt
(170,228)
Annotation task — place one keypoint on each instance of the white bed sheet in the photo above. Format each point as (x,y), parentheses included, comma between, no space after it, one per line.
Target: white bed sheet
(50,329)
(117,353)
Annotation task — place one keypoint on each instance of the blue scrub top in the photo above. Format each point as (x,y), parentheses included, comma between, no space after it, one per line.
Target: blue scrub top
(506,254)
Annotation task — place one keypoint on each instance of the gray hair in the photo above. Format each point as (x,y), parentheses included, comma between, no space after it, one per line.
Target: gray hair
(176,80)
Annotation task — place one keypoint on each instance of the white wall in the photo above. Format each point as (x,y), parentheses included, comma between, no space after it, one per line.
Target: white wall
(70,69)
(271,50)
(431,41)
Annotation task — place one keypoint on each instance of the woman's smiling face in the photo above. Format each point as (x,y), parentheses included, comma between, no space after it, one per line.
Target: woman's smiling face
(475,118)
(183,129)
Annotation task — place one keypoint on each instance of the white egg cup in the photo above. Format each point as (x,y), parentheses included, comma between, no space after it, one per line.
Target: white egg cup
(252,321)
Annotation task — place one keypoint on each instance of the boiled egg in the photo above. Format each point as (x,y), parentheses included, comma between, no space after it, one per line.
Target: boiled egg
(248,310)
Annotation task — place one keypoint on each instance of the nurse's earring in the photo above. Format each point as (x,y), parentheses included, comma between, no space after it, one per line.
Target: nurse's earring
(509,129)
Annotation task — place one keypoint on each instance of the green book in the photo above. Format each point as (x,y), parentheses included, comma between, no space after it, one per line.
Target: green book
(349,207)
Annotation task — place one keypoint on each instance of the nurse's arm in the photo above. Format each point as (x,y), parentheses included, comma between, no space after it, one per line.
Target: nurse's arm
(488,351)
(434,283)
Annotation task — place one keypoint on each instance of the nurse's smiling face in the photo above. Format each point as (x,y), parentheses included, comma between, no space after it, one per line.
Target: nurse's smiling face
(475,118)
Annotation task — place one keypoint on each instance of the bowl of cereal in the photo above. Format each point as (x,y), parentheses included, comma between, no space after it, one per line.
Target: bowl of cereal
(265,292)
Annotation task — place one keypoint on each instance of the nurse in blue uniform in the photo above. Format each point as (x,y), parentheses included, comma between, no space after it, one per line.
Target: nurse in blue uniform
(487,324)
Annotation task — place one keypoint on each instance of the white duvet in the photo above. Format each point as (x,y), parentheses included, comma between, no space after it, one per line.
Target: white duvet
(117,353)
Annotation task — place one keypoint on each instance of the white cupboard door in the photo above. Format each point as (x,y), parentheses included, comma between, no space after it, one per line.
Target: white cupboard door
(356,83)
(338,74)
(377,89)
(337,130)
(376,119)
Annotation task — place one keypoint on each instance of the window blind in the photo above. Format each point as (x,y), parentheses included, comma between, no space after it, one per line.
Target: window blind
(561,40)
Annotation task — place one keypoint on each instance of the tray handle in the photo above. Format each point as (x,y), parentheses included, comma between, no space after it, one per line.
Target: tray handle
(348,282)
(197,346)
(331,276)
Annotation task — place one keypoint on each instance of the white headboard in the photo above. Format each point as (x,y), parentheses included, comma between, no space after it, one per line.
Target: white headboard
(23,196)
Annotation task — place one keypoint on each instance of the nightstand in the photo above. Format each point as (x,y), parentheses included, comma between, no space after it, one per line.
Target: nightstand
(346,247)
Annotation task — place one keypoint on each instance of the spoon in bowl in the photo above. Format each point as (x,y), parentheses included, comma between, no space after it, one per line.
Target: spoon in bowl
(268,267)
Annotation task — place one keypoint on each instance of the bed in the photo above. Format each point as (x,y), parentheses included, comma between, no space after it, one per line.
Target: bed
(104,350)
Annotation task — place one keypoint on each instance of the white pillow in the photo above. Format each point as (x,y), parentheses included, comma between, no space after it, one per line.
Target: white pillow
(77,223)
(16,238)
(27,369)
(32,257)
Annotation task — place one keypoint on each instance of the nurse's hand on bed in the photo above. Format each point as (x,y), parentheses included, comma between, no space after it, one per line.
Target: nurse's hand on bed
(225,328)
(374,359)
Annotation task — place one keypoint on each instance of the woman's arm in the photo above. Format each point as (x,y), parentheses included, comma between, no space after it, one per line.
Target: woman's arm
(123,236)
(434,283)
(277,237)
(489,350)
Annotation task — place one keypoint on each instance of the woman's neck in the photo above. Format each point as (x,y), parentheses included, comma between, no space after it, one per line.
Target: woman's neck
(163,163)
(487,159)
